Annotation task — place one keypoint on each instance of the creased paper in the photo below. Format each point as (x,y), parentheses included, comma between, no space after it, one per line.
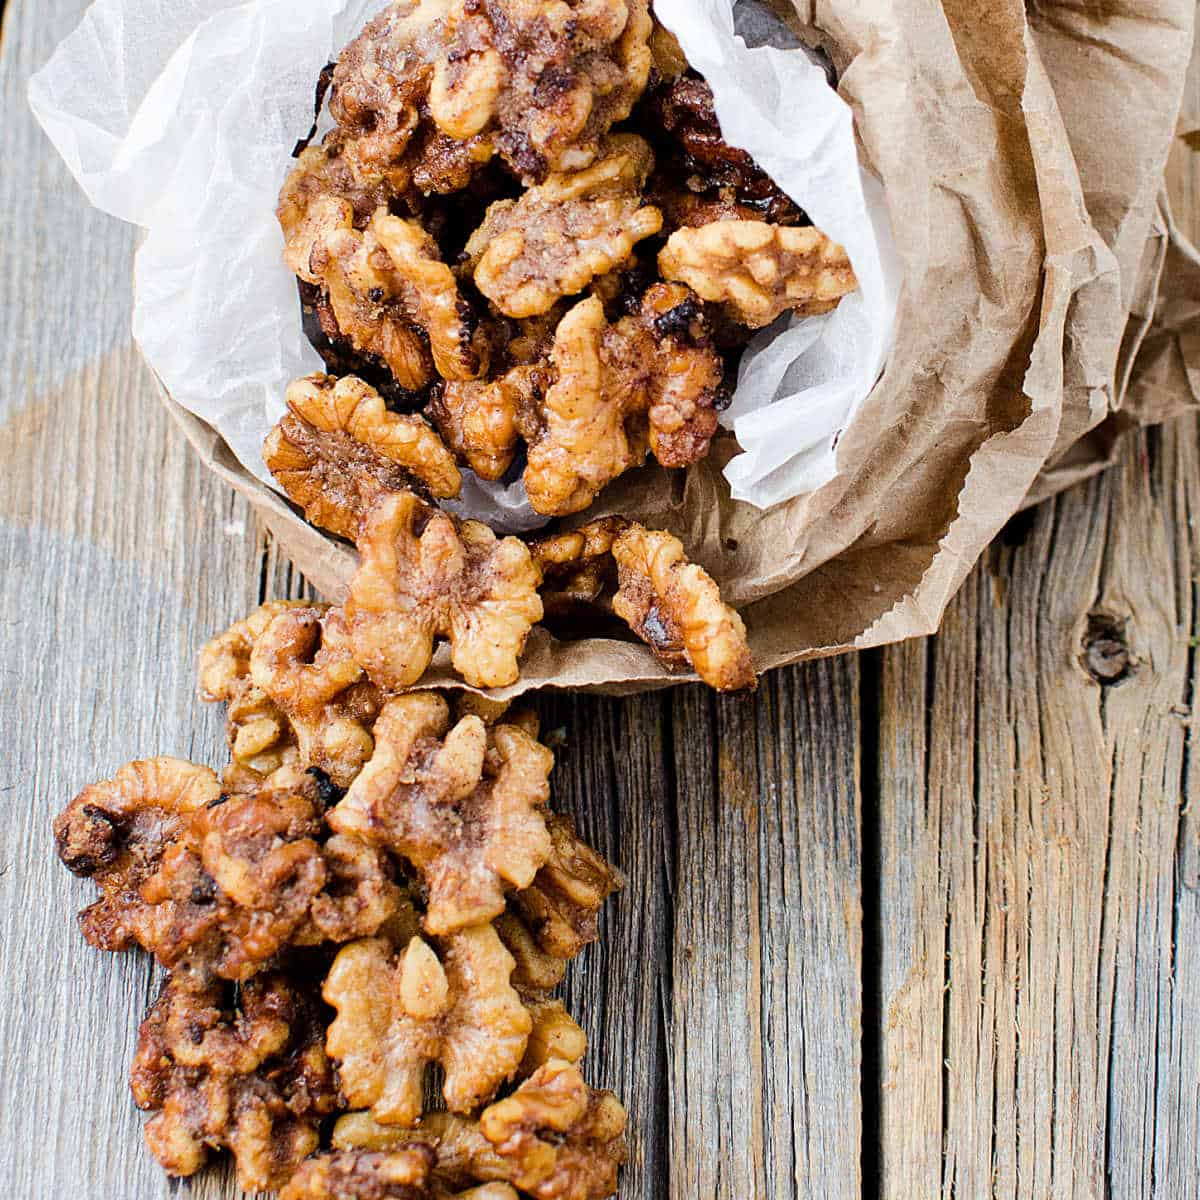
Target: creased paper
(181,118)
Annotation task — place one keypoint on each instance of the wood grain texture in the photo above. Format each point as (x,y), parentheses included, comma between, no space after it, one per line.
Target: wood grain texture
(1018,1014)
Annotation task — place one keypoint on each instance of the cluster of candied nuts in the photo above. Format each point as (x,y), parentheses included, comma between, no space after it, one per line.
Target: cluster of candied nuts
(375,889)
(526,249)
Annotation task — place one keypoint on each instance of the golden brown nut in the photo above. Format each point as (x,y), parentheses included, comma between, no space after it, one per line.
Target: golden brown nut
(304,663)
(326,250)
(400,259)
(338,448)
(251,1078)
(449,1003)
(586,441)
(483,73)
(401,1174)
(669,60)
(676,609)
(323,172)
(260,736)
(559,236)
(596,53)
(247,877)
(559,911)
(653,380)
(554,1035)
(424,574)
(481,422)
(464,805)
(577,566)
(565,1140)
(115,833)
(759,271)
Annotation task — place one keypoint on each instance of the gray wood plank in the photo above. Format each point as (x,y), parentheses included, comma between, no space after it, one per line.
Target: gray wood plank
(1039,996)
(766,1011)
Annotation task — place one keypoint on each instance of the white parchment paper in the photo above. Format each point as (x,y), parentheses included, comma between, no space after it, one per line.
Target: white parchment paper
(180,116)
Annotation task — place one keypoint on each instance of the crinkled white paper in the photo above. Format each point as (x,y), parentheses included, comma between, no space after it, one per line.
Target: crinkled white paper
(181,115)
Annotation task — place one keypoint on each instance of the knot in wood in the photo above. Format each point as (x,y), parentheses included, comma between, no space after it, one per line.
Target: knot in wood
(1106,656)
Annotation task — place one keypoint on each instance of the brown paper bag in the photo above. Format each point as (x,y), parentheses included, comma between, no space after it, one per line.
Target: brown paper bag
(1049,303)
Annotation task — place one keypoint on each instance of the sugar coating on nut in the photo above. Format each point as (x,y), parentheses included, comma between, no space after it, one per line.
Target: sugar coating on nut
(464,804)
(400,1174)
(450,1003)
(326,250)
(759,271)
(562,234)
(423,574)
(115,833)
(652,381)
(481,72)
(338,448)
(304,662)
(564,1139)
(482,421)
(247,878)
(675,607)
(555,1035)
(251,1078)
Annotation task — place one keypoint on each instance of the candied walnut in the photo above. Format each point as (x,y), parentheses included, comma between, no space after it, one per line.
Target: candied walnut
(304,663)
(115,833)
(577,566)
(398,1013)
(322,173)
(481,421)
(338,448)
(400,1174)
(564,1139)
(424,574)
(251,1078)
(325,250)
(559,236)
(652,381)
(560,909)
(401,260)
(247,877)
(676,609)
(554,1035)
(576,68)
(759,271)
(464,805)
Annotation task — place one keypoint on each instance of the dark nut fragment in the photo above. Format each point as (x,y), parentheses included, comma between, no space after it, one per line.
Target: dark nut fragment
(759,271)
(303,661)
(115,833)
(449,1003)
(577,566)
(571,229)
(676,609)
(423,574)
(564,1139)
(338,449)
(250,1077)
(464,805)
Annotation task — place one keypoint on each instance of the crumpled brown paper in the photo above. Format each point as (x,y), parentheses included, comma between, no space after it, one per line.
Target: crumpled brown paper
(1049,303)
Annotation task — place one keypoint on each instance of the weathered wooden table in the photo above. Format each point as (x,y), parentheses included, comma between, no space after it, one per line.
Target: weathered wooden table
(921,922)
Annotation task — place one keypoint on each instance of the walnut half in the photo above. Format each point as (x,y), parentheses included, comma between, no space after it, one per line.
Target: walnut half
(450,1002)
(676,609)
(422,574)
(759,271)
